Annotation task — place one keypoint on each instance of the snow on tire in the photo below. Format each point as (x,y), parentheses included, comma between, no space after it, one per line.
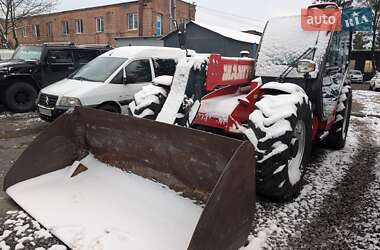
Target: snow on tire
(280,129)
(149,101)
(338,132)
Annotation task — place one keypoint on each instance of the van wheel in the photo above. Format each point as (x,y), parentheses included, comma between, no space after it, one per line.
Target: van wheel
(109,107)
(20,97)
(280,129)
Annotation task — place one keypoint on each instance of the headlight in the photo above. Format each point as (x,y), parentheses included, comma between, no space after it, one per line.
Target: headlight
(70,102)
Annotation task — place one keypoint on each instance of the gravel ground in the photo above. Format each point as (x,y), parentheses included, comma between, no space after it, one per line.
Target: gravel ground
(339,206)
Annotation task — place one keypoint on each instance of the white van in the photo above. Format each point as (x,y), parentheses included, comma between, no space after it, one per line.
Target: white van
(110,81)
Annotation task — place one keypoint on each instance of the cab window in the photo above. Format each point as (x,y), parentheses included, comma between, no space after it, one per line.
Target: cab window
(139,71)
(84,56)
(60,57)
(164,67)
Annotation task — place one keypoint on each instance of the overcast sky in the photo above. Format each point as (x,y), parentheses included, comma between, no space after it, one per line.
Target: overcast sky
(236,14)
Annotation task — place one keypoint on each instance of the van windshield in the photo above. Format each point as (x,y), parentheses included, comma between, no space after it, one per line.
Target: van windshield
(99,69)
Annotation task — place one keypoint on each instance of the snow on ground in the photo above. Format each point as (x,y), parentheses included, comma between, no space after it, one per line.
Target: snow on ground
(6,115)
(369,215)
(122,211)
(19,231)
(276,221)
(368,101)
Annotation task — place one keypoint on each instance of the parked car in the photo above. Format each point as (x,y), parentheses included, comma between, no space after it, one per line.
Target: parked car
(6,54)
(33,67)
(356,76)
(110,81)
(374,83)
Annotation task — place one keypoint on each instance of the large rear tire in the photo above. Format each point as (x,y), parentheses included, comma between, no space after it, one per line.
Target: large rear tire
(20,97)
(338,132)
(280,128)
(149,101)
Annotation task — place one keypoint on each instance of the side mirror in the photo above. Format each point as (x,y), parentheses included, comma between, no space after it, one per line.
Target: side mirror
(306,66)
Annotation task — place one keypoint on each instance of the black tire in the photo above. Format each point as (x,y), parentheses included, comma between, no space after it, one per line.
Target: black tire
(20,97)
(370,87)
(279,175)
(338,132)
(109,107)
(155,100)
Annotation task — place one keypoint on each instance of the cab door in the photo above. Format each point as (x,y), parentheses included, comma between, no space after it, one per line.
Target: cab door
(335,72)
(139,73)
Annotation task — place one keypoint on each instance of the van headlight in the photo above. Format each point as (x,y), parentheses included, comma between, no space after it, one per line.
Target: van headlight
(70,102)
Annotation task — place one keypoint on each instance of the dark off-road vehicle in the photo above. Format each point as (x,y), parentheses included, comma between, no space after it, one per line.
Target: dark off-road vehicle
(33,67)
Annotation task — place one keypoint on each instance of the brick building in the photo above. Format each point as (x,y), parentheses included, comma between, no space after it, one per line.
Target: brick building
(101,24)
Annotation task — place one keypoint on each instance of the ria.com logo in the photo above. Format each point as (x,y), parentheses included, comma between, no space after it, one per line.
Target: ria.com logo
(353,19)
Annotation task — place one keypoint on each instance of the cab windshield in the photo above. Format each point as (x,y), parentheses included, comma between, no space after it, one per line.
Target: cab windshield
(99,69)
(28,53)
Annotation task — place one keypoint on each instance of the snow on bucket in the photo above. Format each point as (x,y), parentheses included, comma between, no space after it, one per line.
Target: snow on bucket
(99,180)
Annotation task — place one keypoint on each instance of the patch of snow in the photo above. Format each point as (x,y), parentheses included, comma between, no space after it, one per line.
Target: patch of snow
(60,247)
(5,234)
(368,100)
(42,233)
(174,100)
(21,229)
(147,52)
(258,242)
(220,107)
(163,80)
(144,214)
(278,148)
(233,34)
(4,246)
(279,169)
(145,97)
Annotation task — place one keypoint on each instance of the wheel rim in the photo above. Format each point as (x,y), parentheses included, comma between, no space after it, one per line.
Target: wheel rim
(22,97)
(298,149)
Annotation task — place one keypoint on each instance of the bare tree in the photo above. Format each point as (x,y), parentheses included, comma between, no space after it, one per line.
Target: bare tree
(13,11)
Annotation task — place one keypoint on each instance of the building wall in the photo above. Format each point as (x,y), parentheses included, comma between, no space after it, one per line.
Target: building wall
(115,22)
(204,41)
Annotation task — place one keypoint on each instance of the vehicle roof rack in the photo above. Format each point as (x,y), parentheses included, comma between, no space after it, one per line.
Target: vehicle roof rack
(59,44)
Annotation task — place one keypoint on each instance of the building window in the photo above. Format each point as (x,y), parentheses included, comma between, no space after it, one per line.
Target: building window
(49,29)
(133,21)
(36,30)
(368,67)
(79,26)
(65,27)
(24,32)
(159,25)
(99,24)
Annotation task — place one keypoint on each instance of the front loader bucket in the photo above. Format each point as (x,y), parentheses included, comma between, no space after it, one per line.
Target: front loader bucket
(99,180)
